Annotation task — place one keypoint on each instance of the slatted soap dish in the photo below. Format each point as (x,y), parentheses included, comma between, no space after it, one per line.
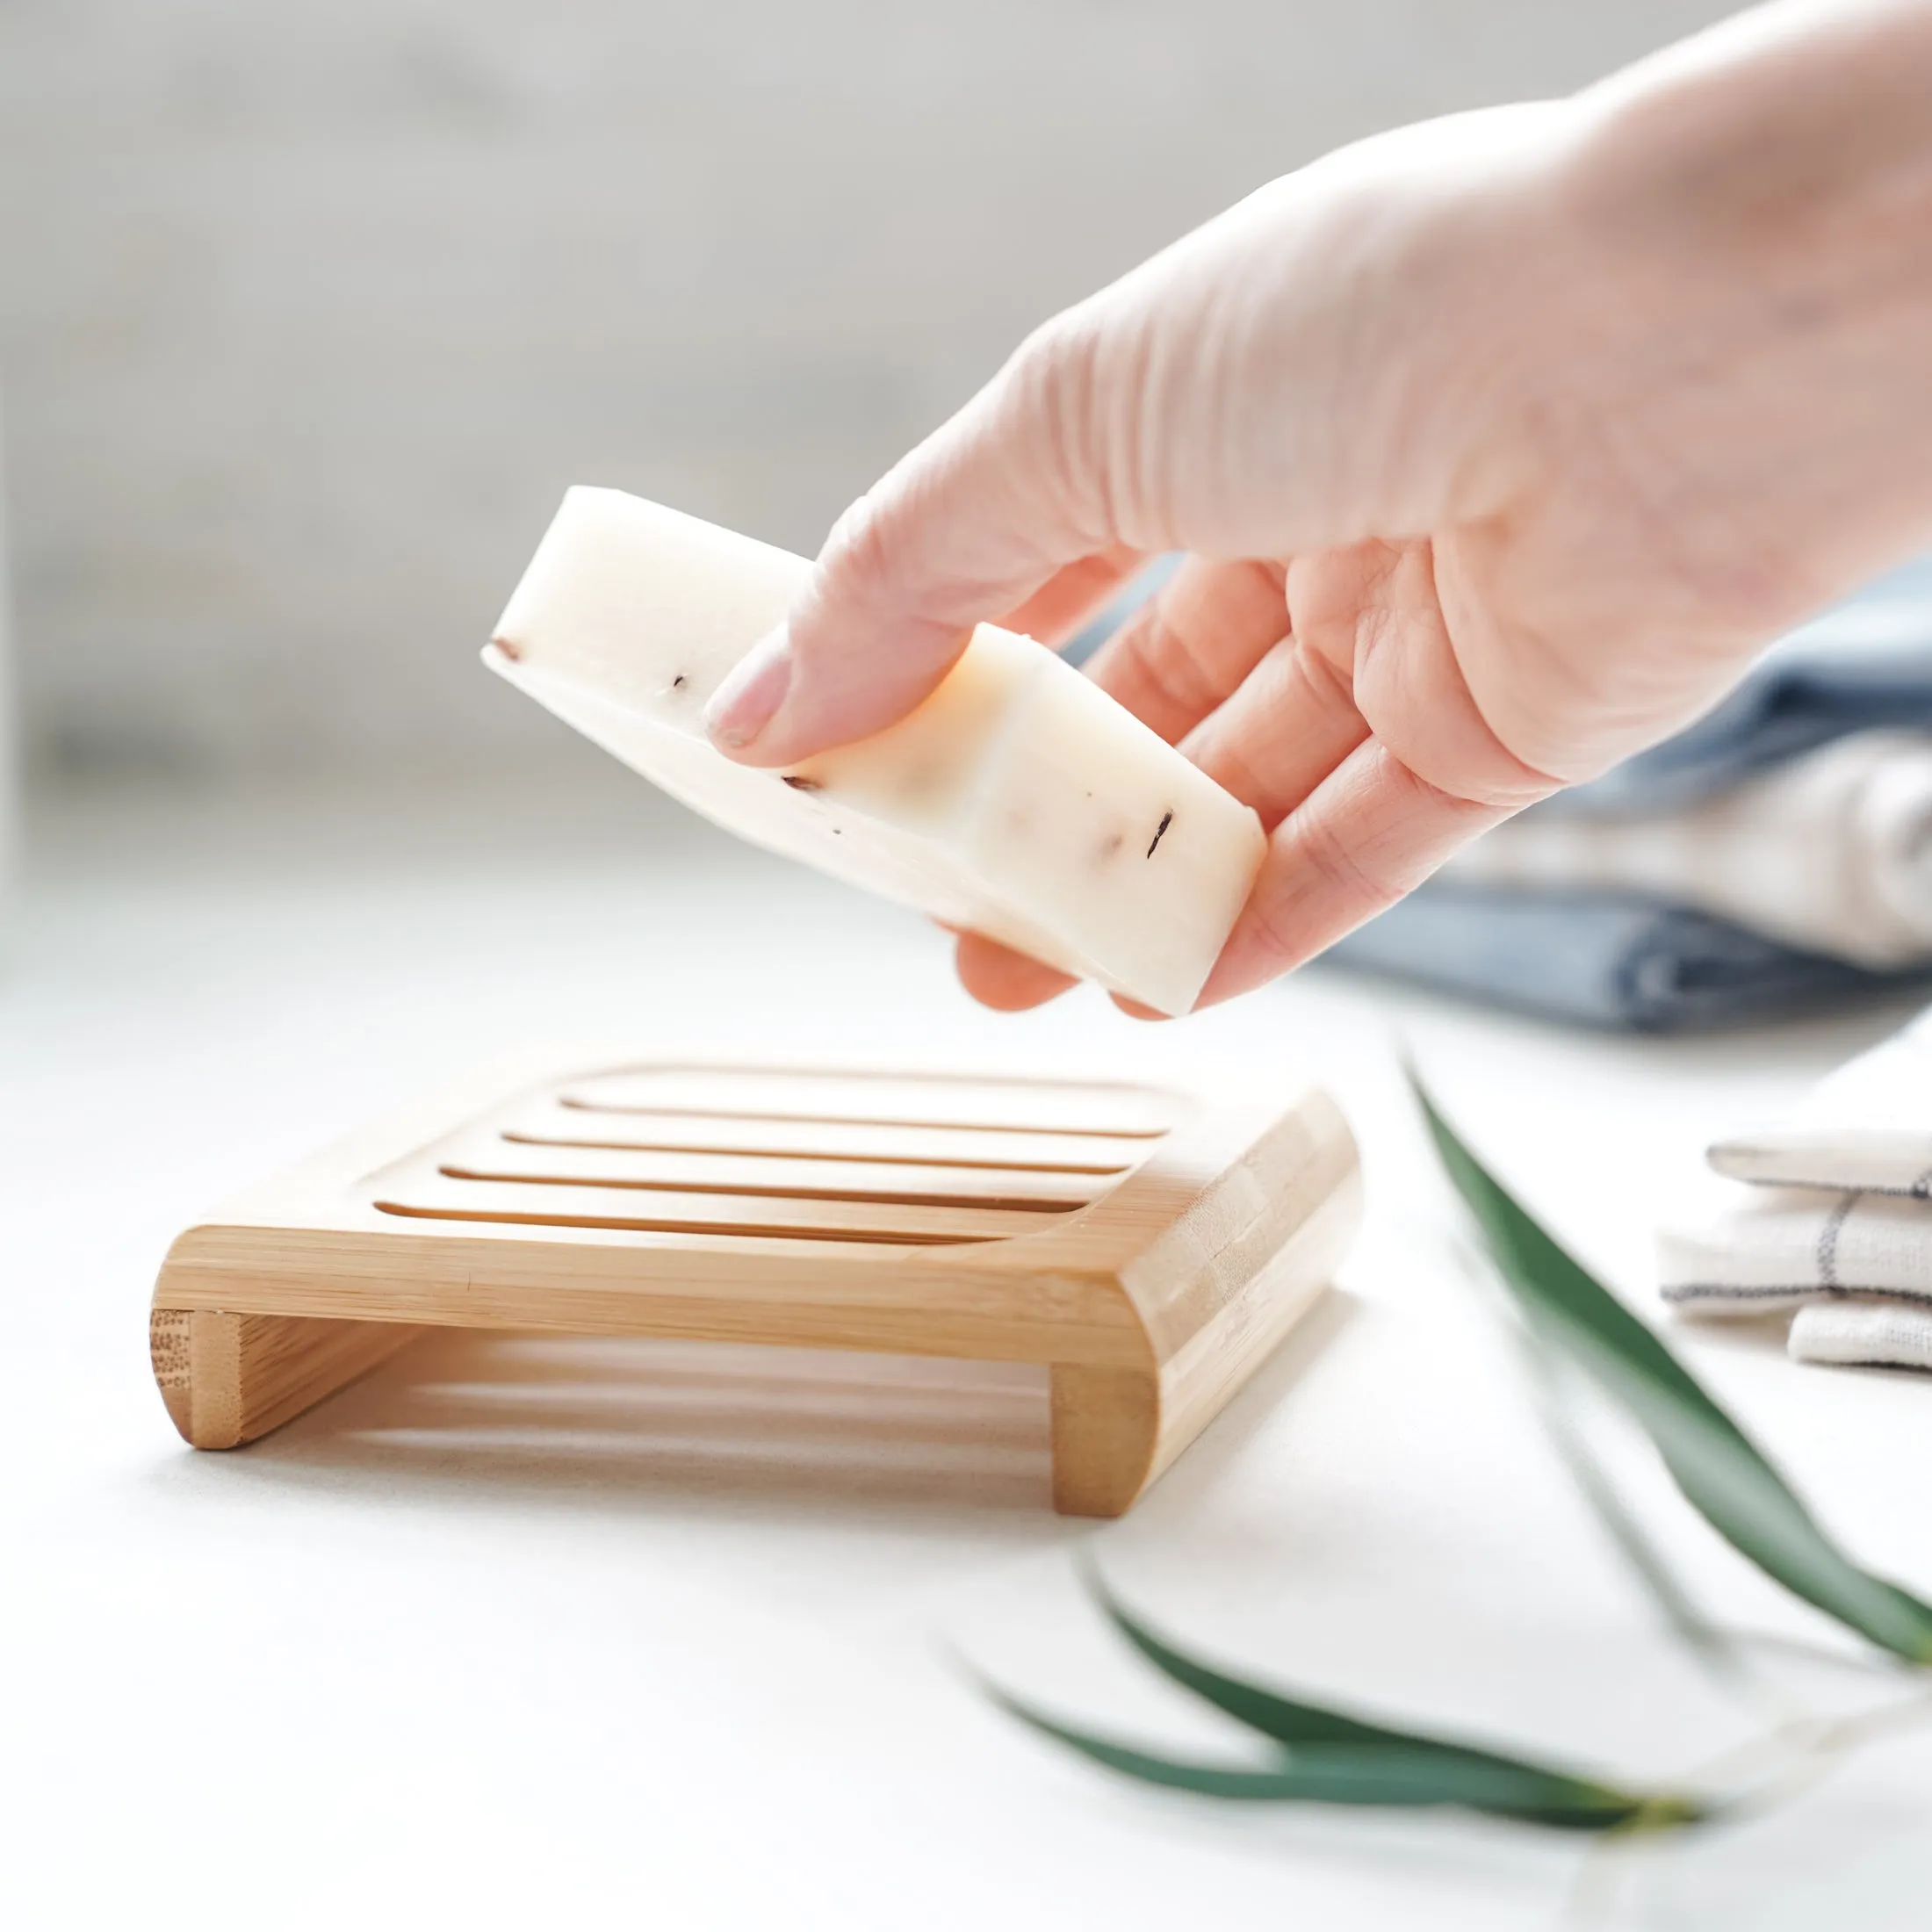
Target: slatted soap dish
(1151,1246)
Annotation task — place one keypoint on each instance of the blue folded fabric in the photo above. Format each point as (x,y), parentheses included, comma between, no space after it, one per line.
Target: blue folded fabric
(1630,964)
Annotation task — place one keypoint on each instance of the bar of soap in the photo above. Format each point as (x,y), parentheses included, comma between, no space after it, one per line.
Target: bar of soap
(1018,800)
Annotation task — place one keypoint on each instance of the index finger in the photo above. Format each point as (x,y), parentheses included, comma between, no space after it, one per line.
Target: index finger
(977,520)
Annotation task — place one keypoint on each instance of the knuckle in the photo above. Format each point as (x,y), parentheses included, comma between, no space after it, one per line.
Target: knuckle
(1336,864)
(866,560)
(1236,771)
(1061,394)
(1166,662)
(1282,939)
(1329,685)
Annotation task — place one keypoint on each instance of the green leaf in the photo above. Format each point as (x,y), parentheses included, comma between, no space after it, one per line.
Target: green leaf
(1377,1775)
(1724,1476)
(1343,1759)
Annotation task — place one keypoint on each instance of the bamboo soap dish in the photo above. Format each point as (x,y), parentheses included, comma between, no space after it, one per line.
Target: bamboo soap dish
(1150,1245)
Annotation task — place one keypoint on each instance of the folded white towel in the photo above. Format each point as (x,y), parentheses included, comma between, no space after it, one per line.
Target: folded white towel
(1868,1125)
(1830,853)
(1770,1248)
(1862,1334)
(1828,1212)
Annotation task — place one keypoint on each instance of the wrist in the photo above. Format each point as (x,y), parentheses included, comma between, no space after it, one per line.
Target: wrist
(1745,221)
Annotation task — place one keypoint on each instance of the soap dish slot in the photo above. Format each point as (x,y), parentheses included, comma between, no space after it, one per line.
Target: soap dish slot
(710,1230)
(1017,1204)
(777,1157)
(966,1164)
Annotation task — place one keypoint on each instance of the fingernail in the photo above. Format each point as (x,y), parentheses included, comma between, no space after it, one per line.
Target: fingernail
(747,702)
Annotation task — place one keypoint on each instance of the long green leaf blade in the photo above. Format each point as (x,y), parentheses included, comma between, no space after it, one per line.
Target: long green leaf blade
(1724,1476)
(1301,1726)
(1376,1775)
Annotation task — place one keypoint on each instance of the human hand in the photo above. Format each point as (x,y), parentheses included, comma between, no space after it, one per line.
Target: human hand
(1496,450)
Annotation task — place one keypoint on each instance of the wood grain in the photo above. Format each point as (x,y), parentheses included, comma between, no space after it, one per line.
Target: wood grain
(920,1214)
(1105,1424)
(228,1378)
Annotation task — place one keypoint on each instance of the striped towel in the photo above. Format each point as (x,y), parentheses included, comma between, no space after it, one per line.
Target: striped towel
(1829,852)
(1827,1213)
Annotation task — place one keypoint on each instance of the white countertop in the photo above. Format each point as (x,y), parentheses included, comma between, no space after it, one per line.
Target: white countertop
(592,1634)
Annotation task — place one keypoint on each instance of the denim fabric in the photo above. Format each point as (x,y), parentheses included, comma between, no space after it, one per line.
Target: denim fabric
(1627,964)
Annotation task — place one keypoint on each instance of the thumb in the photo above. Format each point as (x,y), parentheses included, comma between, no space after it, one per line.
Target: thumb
(971,524)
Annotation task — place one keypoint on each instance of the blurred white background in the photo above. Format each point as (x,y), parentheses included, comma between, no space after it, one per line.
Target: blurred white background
(308,312)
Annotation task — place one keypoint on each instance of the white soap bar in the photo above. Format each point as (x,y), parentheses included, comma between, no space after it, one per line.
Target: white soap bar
(1018,800)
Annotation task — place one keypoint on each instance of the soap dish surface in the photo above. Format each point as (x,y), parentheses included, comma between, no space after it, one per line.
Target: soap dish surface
(1150,1244)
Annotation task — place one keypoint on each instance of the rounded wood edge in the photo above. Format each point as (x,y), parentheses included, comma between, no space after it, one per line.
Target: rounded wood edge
(1276,1172)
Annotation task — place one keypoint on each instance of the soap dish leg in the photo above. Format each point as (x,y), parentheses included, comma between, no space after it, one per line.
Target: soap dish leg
(1105,1424)
(227,1379)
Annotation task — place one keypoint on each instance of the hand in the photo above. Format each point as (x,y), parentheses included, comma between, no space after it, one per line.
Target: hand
(1498,445)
